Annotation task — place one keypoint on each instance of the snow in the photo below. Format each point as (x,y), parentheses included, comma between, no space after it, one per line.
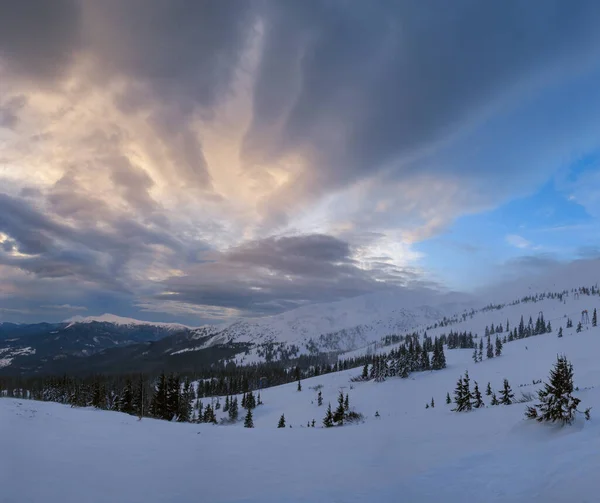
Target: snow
(409,454)
(120,320)
(10,353)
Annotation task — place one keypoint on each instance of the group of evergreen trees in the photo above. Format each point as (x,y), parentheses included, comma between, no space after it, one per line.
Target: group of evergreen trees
(465,399)
(172,401)
(491,350)
(342,413)
(409,357)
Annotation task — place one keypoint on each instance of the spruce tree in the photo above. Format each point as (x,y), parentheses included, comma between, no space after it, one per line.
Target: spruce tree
(184,414)
(489,348)
(462,394)
(281,423)
(248,422)
(480,350)
(425,363)
(226,406)
(158,407)
(498,346)
(448,400)
(438,361)
(233,410)
(126,404)
(494,400)
(556,402)
(579,327)
(347,403)
(506,395)
(173,394)
(338,416)
(365,372)
(475,359)
(250,400)
(432,403)
(312,424)
(560,332)
(320,399)
(328,420)
(594,318)
(477,400)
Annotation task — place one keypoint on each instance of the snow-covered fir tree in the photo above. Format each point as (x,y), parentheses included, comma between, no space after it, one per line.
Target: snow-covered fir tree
(248,421)
(462,394)
(498,350)
(233,410)
(477,399)
(489,348)
(338,416)
(281,423)
(556,401)
(506,395)
(328,419)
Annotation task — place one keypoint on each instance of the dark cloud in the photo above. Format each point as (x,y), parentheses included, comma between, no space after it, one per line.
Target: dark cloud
(364,86)
(276,274)
(9,111)
(102,254)
(38,39)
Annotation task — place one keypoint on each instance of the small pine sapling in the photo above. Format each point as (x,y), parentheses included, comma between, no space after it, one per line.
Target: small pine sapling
(506,395)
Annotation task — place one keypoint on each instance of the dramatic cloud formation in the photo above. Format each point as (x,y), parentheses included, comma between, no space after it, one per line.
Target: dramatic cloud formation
(208,159)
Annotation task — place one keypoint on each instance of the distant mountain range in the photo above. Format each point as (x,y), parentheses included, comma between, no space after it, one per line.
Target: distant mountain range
(110,343)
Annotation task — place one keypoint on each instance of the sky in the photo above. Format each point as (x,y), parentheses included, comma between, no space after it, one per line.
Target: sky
(204,160)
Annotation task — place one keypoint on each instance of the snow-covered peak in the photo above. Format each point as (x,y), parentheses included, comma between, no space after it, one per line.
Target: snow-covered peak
(120,320)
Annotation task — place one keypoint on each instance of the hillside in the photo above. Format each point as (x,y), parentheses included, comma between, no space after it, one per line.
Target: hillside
(409,453)
(107,343)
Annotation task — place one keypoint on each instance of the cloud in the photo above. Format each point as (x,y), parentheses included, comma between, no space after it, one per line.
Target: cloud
(518,241)
(275,274)
(38,39)
(254,155)
(64,307)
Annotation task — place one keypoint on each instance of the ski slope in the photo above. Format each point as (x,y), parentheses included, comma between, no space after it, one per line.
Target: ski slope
(51,452)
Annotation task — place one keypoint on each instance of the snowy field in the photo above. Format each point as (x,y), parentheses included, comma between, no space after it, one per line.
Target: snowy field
(53,453)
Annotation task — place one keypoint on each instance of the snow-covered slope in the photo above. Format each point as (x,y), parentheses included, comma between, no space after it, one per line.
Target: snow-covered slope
(409,453)
(347,324)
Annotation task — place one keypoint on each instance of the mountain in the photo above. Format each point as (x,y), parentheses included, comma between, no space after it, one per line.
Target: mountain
(120,320)
(111,343)
(30,348)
